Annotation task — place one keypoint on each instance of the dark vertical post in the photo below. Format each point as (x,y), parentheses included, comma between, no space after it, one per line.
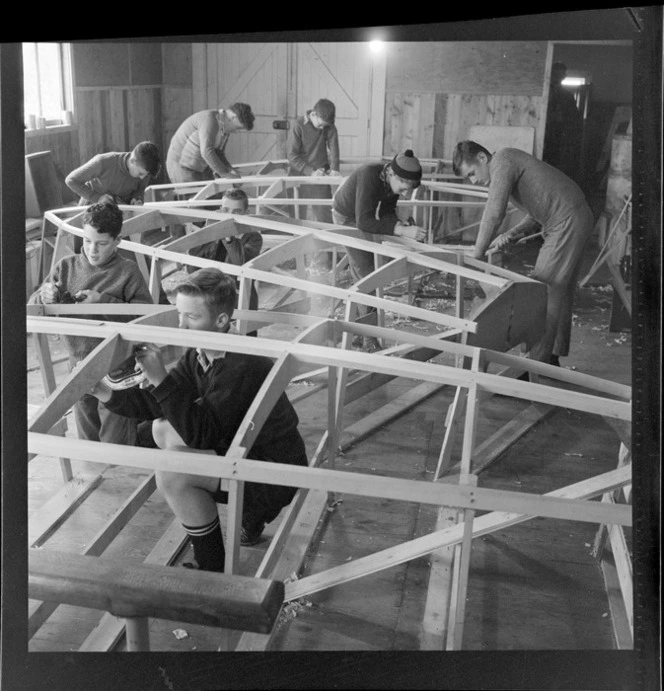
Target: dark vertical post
(647,337)
(13,361)
(137,631)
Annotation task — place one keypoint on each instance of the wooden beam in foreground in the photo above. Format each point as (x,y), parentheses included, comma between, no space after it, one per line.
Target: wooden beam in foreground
(40,611)
(148,590)
(109,631)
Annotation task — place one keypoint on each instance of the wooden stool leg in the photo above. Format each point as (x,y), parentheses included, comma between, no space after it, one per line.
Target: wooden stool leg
(138,634)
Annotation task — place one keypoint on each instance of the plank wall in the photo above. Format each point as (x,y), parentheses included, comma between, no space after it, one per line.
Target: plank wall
(117,96)
(177,99)
(436,91)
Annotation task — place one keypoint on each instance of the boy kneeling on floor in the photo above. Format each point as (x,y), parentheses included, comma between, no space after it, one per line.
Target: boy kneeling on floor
(199,405)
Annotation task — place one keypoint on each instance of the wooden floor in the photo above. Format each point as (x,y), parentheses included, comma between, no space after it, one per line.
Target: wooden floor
(534,586)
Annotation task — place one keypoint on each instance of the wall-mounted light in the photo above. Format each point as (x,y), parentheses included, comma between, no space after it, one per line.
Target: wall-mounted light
(573,81)
(376,46)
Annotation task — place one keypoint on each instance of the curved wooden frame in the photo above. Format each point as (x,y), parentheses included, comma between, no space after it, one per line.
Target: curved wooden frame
(320,347)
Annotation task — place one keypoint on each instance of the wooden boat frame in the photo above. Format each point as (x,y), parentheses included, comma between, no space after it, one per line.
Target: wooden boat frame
(511,315)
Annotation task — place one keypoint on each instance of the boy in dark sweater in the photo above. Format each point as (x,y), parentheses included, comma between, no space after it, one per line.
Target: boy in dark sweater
(313,149)
(367,200)
(200,404)
(236,249)
(99,274)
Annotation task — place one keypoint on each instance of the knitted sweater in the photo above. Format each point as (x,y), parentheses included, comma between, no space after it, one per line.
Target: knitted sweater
(107,174)
(366,199)
(236,250)
(542,191)
(119,280)
(207,408)
(199,143)
(309,148)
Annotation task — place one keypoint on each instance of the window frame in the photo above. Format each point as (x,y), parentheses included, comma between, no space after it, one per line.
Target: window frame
(65,86)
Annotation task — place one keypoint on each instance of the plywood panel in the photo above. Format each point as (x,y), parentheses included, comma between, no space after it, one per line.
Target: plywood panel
(199,76)
(100,64)
(455,115)
(144,116)
(412,119)
(513,110)
(117,125)
(176,60)
(145,63)
(439,121)
(478,67)
(393,122)
(89,113)
(212,76)
(176,106)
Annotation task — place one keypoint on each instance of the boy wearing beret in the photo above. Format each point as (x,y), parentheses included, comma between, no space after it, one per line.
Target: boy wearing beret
(367,200)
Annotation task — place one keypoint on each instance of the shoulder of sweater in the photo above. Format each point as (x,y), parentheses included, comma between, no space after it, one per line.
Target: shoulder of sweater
(71,260)
(125,262)
(369,171)
(196,119)
(209,114)
(111,156)
(250,361)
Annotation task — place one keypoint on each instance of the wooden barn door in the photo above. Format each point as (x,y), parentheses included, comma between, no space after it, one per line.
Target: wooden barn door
(353,78)
(253,73)
(282,81)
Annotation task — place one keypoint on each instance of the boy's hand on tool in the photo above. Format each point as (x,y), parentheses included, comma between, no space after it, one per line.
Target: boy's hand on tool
(149,360)
(88,296)
(411,232)
(502,241)
(49,293)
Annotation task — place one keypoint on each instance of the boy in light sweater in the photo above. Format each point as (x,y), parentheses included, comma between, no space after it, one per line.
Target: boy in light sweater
(99,274)
(555,206)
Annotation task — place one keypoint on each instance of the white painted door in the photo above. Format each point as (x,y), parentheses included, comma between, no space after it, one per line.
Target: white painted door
(282,81)
(253,73)
(353,78)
